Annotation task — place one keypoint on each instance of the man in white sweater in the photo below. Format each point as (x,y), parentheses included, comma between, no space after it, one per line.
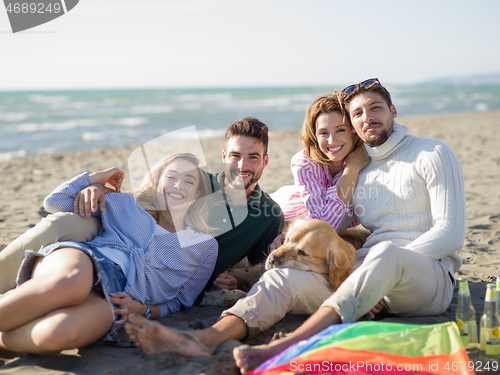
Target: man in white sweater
(411,196)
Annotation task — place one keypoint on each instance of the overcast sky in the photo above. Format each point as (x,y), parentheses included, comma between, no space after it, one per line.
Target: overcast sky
(220,43)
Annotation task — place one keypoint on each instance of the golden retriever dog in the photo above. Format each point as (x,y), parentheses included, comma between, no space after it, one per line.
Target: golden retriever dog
(310,245)
(313,245)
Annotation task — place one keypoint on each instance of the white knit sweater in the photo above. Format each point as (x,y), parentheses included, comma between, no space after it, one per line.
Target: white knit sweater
(412,194)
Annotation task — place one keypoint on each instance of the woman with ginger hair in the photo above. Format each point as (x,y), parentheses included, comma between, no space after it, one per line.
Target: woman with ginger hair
(326,170)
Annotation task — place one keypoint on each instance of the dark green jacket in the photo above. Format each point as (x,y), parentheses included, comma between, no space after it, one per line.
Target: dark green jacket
(241,231)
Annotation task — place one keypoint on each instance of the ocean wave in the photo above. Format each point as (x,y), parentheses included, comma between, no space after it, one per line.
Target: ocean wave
(481,96)
(90,136)
(258,103)
(72,105)
(65,125)
(48,99)
(5,156)
(481,107)
(204,97)
(190,106)
(151,109)
(304,97)
(13,116)
(129,121)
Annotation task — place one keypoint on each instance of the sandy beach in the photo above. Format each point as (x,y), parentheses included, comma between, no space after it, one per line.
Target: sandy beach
(26,182)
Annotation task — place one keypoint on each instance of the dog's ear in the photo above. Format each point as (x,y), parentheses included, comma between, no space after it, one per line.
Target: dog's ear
(341,257)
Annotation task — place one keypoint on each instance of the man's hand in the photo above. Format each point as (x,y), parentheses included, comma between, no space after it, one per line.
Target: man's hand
(278,241)
(113,176)
(378,308)
(127,306)
(88,199)
(229,282)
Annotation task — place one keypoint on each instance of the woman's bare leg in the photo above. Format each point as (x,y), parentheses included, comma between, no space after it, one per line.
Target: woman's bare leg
(61,279)
(248,358)
(66,328)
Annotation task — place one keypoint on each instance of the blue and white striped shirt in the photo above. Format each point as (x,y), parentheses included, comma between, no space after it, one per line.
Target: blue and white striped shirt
(169,270)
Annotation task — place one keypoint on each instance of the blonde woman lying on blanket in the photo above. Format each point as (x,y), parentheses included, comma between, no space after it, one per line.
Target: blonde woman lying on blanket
(149,260)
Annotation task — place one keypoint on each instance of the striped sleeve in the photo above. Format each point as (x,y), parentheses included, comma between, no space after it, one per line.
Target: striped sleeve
(61,199)
(319,194)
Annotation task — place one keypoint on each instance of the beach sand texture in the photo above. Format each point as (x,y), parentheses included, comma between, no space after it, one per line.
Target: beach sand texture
(26,181)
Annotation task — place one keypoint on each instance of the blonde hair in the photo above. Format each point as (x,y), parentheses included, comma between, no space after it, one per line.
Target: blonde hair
(323,105)
(197,214)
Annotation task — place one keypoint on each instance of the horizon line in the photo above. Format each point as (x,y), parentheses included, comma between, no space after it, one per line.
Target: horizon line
(225,87)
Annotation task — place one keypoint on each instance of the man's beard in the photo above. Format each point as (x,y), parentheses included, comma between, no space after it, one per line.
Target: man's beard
(234,179)
(378,139)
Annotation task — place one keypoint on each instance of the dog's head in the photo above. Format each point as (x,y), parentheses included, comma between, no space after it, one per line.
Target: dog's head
(313,245)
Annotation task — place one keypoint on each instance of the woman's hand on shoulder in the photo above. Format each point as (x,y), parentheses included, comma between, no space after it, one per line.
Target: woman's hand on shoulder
(127,305)
(357,159)
(112,176)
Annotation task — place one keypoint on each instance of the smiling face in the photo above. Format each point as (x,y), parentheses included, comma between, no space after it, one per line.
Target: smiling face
(246,161)
(335,137)
(179,184)
(372,118)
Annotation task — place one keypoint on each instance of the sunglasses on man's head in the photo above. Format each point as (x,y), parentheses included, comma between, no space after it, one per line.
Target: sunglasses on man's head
(366,83)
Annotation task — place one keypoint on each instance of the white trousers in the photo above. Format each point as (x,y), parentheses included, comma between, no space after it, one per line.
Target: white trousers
(411,283)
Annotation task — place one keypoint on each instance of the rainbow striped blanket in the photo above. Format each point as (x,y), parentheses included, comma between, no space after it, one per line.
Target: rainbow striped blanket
(375,348)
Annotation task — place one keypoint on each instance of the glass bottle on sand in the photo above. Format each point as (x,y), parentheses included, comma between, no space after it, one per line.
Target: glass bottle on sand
(466,317)
(490,324)
(498,293)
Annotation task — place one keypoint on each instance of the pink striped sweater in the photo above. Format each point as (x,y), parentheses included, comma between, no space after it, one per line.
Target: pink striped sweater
(314,194)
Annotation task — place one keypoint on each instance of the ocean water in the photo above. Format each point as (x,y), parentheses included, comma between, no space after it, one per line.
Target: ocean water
(41,122)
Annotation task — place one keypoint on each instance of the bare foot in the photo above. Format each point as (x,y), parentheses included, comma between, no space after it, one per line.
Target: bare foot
(249,357)
(155,338)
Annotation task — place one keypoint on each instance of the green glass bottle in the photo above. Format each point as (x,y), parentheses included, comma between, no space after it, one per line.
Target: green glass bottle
(498,293)
(466,317)
(490,324)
